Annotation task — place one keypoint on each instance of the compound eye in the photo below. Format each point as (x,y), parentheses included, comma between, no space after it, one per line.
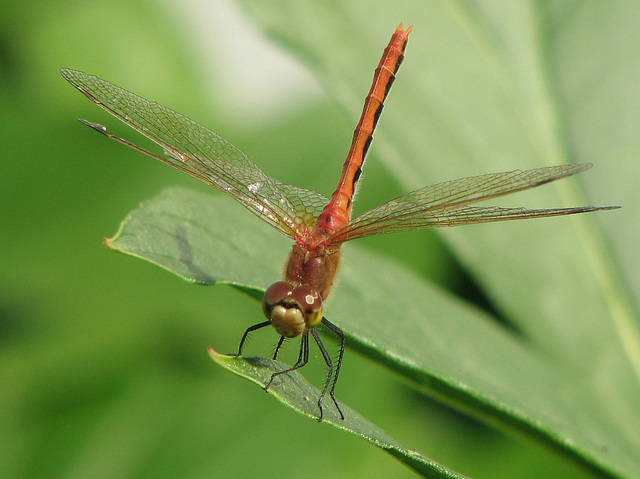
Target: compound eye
(310,303)
(275,294)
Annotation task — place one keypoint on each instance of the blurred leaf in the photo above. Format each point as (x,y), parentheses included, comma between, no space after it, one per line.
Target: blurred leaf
(486,87)
(295,391)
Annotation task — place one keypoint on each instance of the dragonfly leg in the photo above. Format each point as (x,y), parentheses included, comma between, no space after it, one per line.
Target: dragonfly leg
(303,358)
(330,375)
(275,353)
(246,333)
(341,335)
(303,355)
(327,359)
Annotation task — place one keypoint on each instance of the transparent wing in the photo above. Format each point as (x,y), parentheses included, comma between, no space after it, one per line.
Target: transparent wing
(201,153)
(446,204)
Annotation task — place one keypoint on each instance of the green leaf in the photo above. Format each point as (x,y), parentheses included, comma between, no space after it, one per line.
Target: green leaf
(295,391)
(415,328)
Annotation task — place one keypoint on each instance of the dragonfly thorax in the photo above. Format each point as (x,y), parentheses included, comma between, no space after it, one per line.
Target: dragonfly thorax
(313,266)
(292,310)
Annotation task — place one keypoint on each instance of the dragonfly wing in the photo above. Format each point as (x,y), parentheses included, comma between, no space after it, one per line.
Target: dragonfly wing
(205,155)
(467,215)
(446,204)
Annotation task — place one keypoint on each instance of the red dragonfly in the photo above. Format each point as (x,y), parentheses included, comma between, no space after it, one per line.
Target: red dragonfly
(317,225)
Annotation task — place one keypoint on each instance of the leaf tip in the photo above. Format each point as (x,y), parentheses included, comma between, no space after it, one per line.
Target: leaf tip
(213,354)
(109,242)
(216,356)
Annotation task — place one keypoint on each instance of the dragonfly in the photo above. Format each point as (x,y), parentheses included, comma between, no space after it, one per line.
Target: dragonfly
(317,225)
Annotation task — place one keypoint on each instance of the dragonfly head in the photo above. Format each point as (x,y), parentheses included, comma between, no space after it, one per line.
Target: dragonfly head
(292,310)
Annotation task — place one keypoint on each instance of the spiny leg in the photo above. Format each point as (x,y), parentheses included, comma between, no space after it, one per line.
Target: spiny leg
(303,355)
(341,335)
(303,358)
(246,333)
(327,359)
(275,353)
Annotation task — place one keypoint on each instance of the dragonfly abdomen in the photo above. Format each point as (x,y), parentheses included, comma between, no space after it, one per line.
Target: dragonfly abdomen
(338,212)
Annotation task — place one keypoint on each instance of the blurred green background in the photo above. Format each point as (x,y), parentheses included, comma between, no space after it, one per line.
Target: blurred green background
(103,357)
